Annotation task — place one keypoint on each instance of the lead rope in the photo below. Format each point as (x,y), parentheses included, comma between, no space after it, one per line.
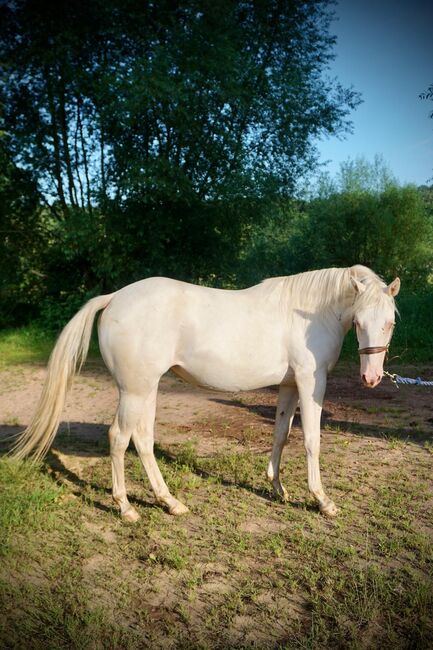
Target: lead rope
(396,380)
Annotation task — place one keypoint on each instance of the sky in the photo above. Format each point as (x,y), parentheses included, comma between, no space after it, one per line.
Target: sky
(385,51)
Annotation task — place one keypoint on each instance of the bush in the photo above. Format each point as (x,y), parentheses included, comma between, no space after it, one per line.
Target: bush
(389,232)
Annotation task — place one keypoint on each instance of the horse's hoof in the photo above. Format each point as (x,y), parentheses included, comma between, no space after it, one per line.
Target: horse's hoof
(178,509)
(281,493)
(329,510)
(130,515)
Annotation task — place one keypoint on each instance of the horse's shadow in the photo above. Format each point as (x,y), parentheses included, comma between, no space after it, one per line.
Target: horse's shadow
(334,426)
(90,440)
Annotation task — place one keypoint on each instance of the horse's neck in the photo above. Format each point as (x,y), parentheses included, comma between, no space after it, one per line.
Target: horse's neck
(344,312)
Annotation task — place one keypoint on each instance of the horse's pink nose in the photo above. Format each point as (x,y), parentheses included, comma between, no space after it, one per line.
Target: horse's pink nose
(372,380)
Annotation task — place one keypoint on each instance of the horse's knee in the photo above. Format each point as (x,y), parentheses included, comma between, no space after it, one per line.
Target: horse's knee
(143,445)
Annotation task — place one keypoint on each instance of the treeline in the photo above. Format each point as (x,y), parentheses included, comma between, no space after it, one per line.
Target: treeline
(142,137)
(169,138)
(50,267)
(362,216)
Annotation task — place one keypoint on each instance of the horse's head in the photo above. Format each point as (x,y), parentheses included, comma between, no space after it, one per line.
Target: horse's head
(374,318)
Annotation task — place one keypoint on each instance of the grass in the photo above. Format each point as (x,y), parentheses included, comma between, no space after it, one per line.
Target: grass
(24,345)
(241,570)
(29,345)
(28,500)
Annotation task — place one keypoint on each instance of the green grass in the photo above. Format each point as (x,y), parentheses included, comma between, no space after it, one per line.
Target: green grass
(31,345)
(28,499)
(25,345)
(241,570)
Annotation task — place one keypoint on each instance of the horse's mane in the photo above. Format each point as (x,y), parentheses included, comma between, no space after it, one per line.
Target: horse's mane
(327,286)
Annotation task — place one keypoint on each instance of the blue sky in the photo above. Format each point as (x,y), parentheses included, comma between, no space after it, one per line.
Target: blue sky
(385,50)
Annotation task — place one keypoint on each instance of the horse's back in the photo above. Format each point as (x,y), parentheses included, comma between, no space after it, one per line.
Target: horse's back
(217,335)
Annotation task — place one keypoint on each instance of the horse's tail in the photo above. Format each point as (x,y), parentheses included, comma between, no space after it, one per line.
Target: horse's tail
(66,359)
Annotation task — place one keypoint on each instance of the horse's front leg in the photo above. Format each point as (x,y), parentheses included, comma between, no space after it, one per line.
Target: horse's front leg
(311,387)
(287,402)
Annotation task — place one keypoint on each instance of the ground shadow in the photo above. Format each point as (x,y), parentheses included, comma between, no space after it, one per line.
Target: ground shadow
(265,411)
(84,439)
(332,425)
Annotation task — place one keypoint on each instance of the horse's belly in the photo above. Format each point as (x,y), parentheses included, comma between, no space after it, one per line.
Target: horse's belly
(229,377)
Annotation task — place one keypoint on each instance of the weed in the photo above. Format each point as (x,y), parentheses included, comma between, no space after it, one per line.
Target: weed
(428,445)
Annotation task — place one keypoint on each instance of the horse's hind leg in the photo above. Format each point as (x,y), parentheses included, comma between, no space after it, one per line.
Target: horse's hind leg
(286,407)
(136,419)
(119,440)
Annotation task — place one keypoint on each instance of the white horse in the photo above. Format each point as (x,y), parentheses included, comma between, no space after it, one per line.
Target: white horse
(285,331)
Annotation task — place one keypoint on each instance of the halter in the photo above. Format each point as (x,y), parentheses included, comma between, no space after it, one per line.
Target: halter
(374,350)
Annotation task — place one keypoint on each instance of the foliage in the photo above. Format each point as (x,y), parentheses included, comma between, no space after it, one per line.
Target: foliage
(388,232)
(413,338)
(428,94)
(174,100)
(272,249)
(365,217)
(357,175)
(143,139)
(22,235)
(158,134)
(361,216)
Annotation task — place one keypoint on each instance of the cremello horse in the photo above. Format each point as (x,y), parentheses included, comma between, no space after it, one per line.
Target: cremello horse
(285,331)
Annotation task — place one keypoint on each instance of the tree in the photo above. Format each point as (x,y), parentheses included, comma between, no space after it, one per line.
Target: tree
(428,94)
(366,217)
(21,242)
(169,125)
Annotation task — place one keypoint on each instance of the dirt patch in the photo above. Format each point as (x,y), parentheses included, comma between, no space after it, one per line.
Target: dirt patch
(241,570)
(187,413)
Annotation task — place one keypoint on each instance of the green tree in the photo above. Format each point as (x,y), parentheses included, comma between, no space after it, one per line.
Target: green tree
(21,242)
(159,133)
(366,217)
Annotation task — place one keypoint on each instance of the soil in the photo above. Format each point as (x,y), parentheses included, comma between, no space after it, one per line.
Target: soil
(220,420)
(376,420)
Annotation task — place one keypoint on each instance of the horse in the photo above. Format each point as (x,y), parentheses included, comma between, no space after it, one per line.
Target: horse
(286,331)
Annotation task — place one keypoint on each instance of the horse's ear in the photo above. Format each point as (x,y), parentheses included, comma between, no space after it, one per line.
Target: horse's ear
(394,287)
(357,285)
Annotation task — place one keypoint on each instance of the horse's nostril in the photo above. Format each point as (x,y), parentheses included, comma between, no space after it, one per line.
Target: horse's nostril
(370,382)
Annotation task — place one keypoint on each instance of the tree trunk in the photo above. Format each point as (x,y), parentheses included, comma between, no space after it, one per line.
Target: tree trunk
(77,159)
(64,132)
(84,153)
(56,142)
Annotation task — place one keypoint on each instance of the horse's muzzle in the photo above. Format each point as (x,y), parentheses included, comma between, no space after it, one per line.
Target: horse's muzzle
(371,381)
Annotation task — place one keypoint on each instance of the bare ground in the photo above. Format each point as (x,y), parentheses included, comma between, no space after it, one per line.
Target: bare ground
(241,570)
